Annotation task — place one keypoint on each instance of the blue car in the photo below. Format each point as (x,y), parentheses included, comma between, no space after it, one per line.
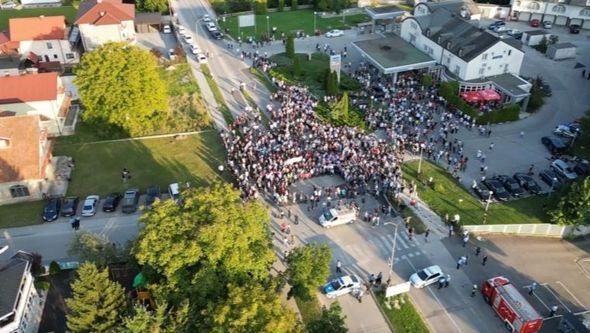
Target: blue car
(494,26)
(341,286)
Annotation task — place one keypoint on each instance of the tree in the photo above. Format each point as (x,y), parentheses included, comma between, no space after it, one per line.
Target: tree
(251,308)
(322,5)
(330,321)
(281,5)
(574,206)
(308,268)
(336,6)
(97,303)
(426,80)
(296,67)
(331,83)
(294,5)
(152,5)
(290,46)
(340,109)
(162,320)
(260,7)
(121,88)
(54,268)
(96,249)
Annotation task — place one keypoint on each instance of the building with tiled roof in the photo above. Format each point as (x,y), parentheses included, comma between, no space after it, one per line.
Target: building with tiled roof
(103,21)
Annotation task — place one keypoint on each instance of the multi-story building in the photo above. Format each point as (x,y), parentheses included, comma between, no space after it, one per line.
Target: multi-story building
(103,21)
(558,12)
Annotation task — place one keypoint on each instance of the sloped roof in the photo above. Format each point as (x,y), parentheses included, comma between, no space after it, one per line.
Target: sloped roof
(7,46)
(37,28)
(453,6)
(21,159)
(11,274)
(104,12)
(28,88)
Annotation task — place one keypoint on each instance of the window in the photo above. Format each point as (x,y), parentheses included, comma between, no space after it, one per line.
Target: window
(509,52)
(49,46)
(18,191)
(484,56)
(558,9)
(518,3)
(70,56)
(585,12)
(55,56)
(534,6)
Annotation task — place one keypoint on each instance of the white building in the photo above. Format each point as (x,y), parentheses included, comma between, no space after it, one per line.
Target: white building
(559,12)
(103,21)
(21,306)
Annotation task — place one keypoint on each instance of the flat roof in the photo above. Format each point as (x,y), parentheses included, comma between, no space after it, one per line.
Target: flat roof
(384,12)
(560,46)
(510,83)
(392,54)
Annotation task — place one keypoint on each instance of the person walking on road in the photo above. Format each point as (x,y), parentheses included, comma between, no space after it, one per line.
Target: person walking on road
(484,260)
(448,280)
(532,288)
(465,240)
(553,311)
(477,251)
(426,233)
(450,230)
(491,146)
(338,266)
(473,290)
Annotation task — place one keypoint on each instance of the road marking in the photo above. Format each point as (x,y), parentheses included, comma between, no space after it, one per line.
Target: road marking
(538,298)
(417,253)
(410,255)
(401,241)
(438,301)
(558,299)
(569,292)
(582,313)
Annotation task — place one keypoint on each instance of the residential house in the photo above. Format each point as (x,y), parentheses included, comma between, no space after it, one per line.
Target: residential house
(103,21)
(40,94)
(43,39)
(21,305)
(558,12)
(25,153)
(466,9)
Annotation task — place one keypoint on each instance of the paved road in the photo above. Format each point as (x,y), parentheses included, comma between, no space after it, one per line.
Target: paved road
(52,240)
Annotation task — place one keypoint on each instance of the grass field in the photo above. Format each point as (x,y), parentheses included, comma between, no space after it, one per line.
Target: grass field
(193,158)
(405,319)
(449,197)
(68,11)
(21,214)
(287,22)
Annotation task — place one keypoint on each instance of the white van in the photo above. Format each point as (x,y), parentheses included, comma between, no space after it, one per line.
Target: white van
(174,191)
(334,217)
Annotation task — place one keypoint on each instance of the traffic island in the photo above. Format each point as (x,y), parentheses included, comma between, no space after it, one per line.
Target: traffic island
(401,314)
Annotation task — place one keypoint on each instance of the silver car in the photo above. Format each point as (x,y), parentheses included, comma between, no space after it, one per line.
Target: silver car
(90,204)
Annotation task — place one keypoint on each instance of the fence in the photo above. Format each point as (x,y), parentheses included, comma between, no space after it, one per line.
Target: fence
(540,230)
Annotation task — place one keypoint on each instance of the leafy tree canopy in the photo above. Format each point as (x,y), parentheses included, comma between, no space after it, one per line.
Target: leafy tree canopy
(162,320)
(574,206)
(152,5)
(330,321)
(96,249)
(308,268)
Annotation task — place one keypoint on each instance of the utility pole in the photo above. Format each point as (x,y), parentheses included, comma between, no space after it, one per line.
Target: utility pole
(392,258)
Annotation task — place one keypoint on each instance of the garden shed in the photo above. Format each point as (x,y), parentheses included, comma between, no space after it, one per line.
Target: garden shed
(561,51)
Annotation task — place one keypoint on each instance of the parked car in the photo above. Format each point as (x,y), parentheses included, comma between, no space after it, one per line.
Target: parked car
(574,29)
(171,54)
(535,23)
(51,209)
(517,34)
(69,206)
(426,277)
(111,202)
(566,131)
(206,18)
(547,25)
(202,58)
(166,29)
(546,89)
(89,206)
(501,29)
(496,24)
(582,168)
(130,200)
(181,30)
(174,192)
(563,170)
(216,34)
(188,39)
(511,185)
(554,144)
(528,182)
(550,178)
(499,192)
(153,193)
(341,286)
(210,26)
(334,33)
(194,49)
(482,192)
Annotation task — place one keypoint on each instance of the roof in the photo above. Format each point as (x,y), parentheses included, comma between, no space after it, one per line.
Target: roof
(37,28)
(12,272)
(7,46)
(28,88)
(104,12)
(393,54)
(21,159)
(509,83)
(453,6)
(560,46)
(518,303)
(148,18)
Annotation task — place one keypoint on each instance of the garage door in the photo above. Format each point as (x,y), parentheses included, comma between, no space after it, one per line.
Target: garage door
(586,24)
(549,18)
(536,16)
(524,16)
(576,21)
(561,20)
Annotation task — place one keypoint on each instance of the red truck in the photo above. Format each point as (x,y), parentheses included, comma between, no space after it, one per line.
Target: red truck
(516,312)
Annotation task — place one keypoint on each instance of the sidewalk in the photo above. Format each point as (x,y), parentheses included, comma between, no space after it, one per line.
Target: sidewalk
(207,95)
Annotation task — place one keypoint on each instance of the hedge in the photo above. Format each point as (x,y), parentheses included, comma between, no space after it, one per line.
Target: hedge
(507,113)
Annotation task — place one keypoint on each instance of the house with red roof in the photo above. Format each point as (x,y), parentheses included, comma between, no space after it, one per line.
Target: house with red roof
(41,94)
(43,40)
(103,21)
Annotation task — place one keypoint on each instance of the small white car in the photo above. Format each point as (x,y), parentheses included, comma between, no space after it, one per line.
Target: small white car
(334,33)
(341,286)
(564,170)
(547,25)
(166,29)
(334,217)
(211,26)
(171,54)
(194,49)
(206,18)
(426,277)
(90,204)
(188,39)
(181,30)
(174,192)
(202,58)
(566,131)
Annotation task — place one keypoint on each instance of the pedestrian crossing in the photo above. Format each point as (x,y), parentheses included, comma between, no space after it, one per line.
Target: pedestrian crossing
(382,245)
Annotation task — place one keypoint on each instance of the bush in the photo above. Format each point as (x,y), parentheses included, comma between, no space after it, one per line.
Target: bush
(426,80)
(507,113)
(294,5)
(42,285)
(54,268)
(536,100)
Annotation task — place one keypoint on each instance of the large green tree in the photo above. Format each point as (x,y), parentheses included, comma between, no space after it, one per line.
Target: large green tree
(574,207)
(308,268)
(330,321)
(290,46)
(251,308)
(152,5)
(340,109)
(120,87)
(97,303)
(161,320)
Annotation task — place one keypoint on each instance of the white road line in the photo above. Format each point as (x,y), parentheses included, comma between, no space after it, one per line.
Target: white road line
(402,242)
(571,294)
(404,257)
(417,253)
(438,301)
(554,295)
(582,313)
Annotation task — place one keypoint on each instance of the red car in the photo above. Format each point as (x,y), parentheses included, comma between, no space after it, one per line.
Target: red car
(535,23)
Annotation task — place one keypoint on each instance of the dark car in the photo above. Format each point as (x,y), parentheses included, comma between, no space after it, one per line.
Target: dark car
(550,178)
(69,206)
(497,188)
(482,192)
(51,210)
(217,34)
(554,144)
(515,33)
(511,185)
(111,202)
(130,201)
(496,25)
(528,182)
(153,193)
(582,168)
(574,29)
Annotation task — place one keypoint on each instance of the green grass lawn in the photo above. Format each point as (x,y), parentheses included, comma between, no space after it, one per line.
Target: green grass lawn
(21,214)
(289,21)
(193,158)
(449,197)
(405,319)
(221,104)
(68,11)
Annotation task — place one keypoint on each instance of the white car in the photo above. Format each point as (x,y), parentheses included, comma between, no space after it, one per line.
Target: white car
(188,39)
(202,58)
(171,54)
(566,131)
(90,204)
(167,29)
(181,30)
(426,277)
(547,25)
(211,26)
(563,170)
(334,33)
(206,18)
(341,286)
(194,49)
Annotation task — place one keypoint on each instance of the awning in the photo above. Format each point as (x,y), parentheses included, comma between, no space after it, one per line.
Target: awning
(471,96)
(490,95)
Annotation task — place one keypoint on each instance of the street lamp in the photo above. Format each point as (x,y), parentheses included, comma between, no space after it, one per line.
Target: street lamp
(422,146)
(488,201)
(268,26)
(314,14)
(392,258)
